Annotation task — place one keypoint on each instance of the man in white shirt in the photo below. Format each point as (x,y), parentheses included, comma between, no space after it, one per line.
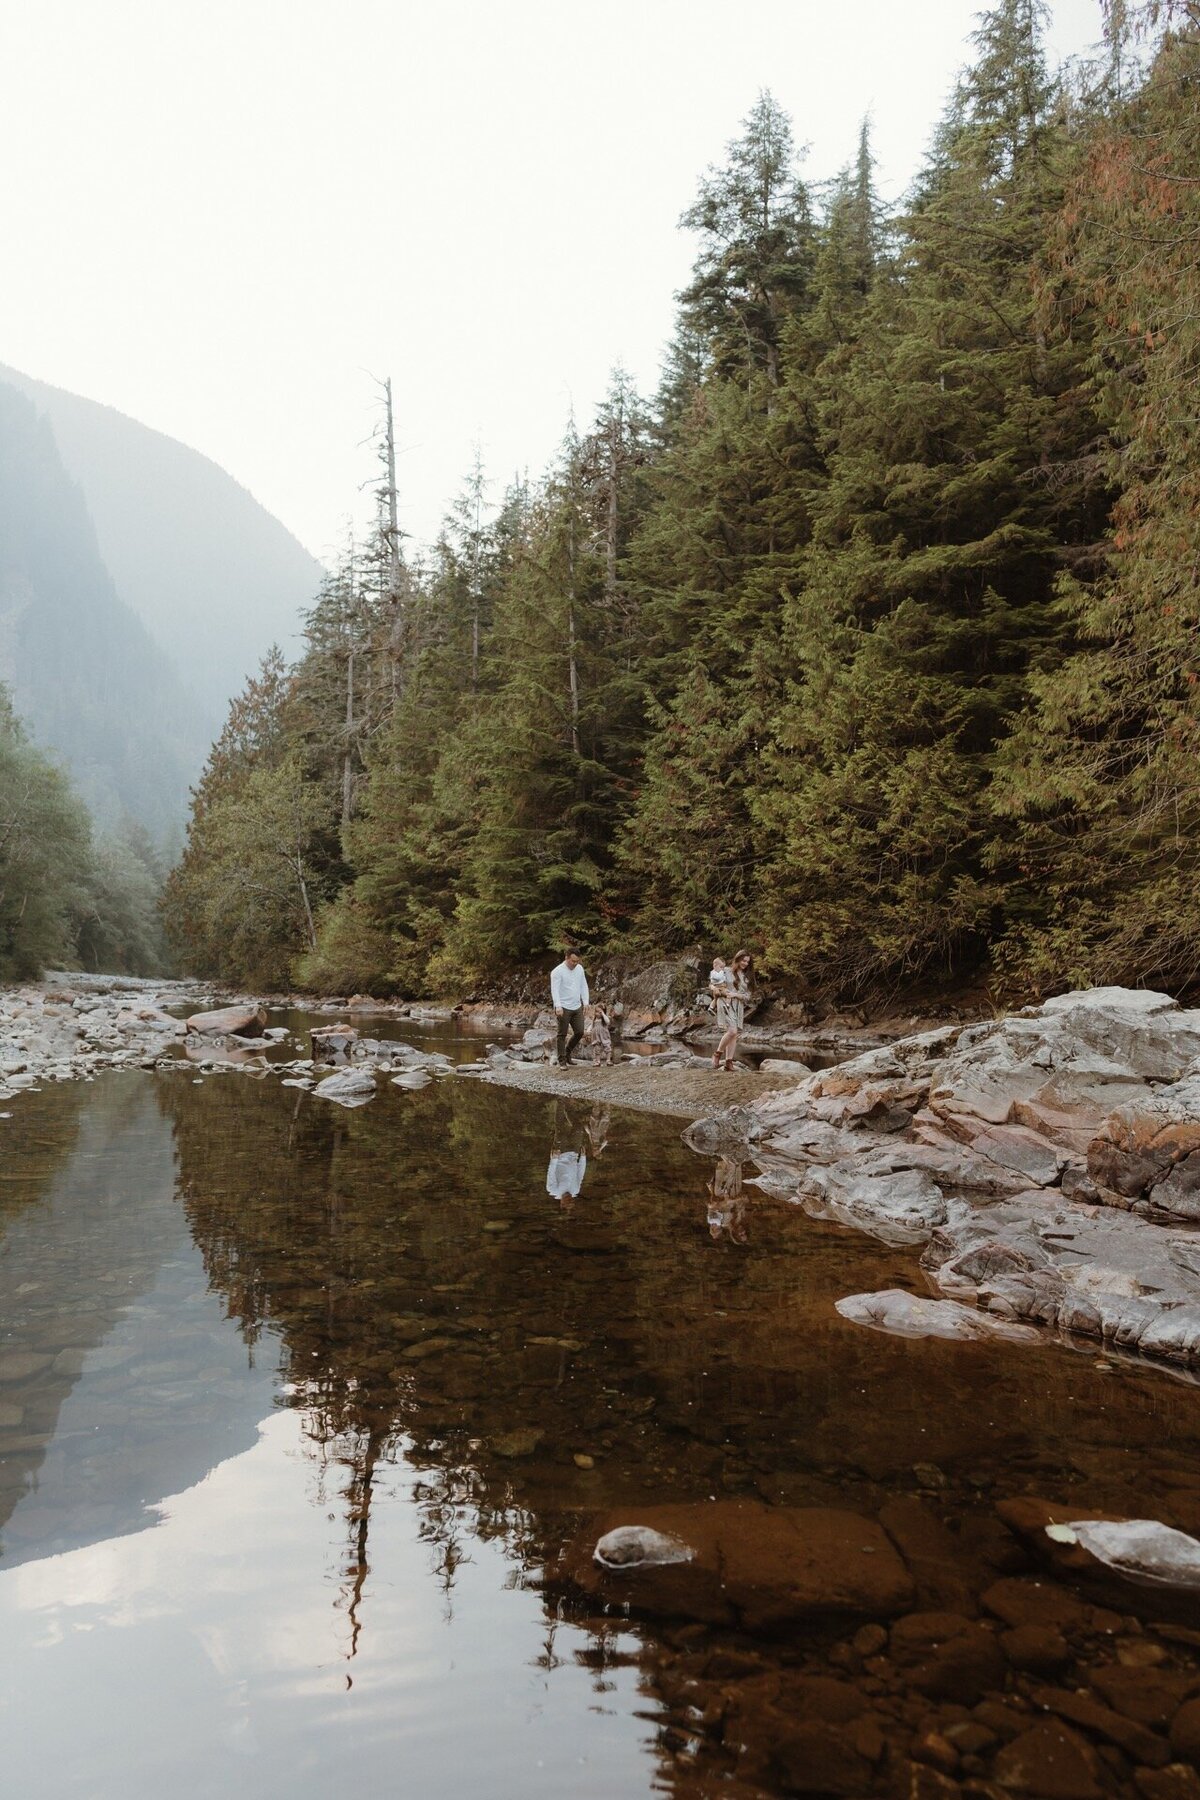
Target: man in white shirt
(564,1176)
(568,996)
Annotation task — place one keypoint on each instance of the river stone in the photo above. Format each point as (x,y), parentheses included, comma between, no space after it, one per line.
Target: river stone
(947,1657)
(513,1444)
(1151,1696)
(912,1315)
(232,1021)
(19,1365)
(1052,1762)
(347,1087)
(1141,1549)
(761,1567)
(783,1065)
(640,1547)
(934,1557)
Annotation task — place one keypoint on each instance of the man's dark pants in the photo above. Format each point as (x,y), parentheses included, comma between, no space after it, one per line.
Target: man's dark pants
(574,1019)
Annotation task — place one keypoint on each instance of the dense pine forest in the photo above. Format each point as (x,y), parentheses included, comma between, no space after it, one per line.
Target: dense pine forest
(868,641)
(69,896)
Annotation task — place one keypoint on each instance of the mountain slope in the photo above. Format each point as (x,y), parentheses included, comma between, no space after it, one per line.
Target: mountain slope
(212,575)
(85,675)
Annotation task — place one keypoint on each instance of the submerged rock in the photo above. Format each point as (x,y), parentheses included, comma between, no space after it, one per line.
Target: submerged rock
(912,1315)
(762,1567)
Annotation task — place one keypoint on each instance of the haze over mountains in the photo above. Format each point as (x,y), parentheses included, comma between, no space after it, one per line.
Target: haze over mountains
(139,586)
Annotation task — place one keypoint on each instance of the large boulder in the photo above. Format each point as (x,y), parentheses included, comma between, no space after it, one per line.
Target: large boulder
(897,1206)
(765,1568)
(229,1021)
(913,1315)
(1081,1269)
(1152,1147)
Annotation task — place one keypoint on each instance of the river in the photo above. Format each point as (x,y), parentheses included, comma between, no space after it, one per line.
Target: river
(297,1404)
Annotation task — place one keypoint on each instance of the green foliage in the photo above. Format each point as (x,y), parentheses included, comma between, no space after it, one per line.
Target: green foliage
(119,924)
(1098,794)
(873,647)
(44,855)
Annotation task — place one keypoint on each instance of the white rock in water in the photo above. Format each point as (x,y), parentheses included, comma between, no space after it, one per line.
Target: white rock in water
(349,1087)
(638,1547)
(1142,1549)
(412,1078)
(911,1315)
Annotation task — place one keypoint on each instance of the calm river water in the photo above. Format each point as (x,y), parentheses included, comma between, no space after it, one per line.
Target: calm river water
(291,1399)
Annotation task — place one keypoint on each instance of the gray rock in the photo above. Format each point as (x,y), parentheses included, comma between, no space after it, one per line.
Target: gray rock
(347,1087)
(640,1547)
(913,1315)
(898,1206)
(1085,1270)
(1142,1549)
(784,1065)
(723,1133)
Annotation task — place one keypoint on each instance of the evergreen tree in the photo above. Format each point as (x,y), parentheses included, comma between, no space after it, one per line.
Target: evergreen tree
(953,431)
(1101,780)
(756,246)
(45,856)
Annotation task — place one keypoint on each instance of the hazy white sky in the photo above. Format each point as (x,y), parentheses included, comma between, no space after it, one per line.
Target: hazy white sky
(221,216)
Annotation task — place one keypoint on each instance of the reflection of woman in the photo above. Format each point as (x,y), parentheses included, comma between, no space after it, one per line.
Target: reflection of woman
(726,1207)
(731,1010)
(597,1129)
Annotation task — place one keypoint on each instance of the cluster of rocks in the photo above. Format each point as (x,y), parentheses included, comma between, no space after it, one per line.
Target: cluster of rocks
(905,1663)
(71,1026)
(1049,1162)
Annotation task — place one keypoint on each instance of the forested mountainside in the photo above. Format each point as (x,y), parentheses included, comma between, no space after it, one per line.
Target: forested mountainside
(83,672)
(870,641)
(213,577)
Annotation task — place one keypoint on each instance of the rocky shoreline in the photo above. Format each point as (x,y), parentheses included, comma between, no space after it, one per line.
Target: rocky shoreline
(1048,1162)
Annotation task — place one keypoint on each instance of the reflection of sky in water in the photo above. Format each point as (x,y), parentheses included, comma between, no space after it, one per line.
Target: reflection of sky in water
(209,1652)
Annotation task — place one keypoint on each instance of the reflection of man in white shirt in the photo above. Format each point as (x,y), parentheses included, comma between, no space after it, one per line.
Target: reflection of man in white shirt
(564,1177)
(568,996)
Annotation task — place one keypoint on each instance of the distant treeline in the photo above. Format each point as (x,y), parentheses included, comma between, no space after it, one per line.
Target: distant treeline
(67,897)
(870,642)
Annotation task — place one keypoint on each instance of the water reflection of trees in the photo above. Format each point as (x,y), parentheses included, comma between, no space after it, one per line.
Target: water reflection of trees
(619,1329)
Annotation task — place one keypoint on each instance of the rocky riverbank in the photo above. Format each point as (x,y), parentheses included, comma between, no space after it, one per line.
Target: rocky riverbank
(69,1027)
(1047,1162)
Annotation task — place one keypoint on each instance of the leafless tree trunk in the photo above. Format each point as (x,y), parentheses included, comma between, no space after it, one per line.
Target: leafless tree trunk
(572,664)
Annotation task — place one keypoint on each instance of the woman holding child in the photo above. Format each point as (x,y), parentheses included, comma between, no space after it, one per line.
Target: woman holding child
(730,988)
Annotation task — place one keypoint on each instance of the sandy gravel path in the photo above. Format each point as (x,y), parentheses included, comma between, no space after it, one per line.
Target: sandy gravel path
(683,1093)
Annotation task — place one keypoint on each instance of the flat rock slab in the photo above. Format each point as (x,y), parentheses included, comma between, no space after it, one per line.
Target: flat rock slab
(761,1567)
(682,1093)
